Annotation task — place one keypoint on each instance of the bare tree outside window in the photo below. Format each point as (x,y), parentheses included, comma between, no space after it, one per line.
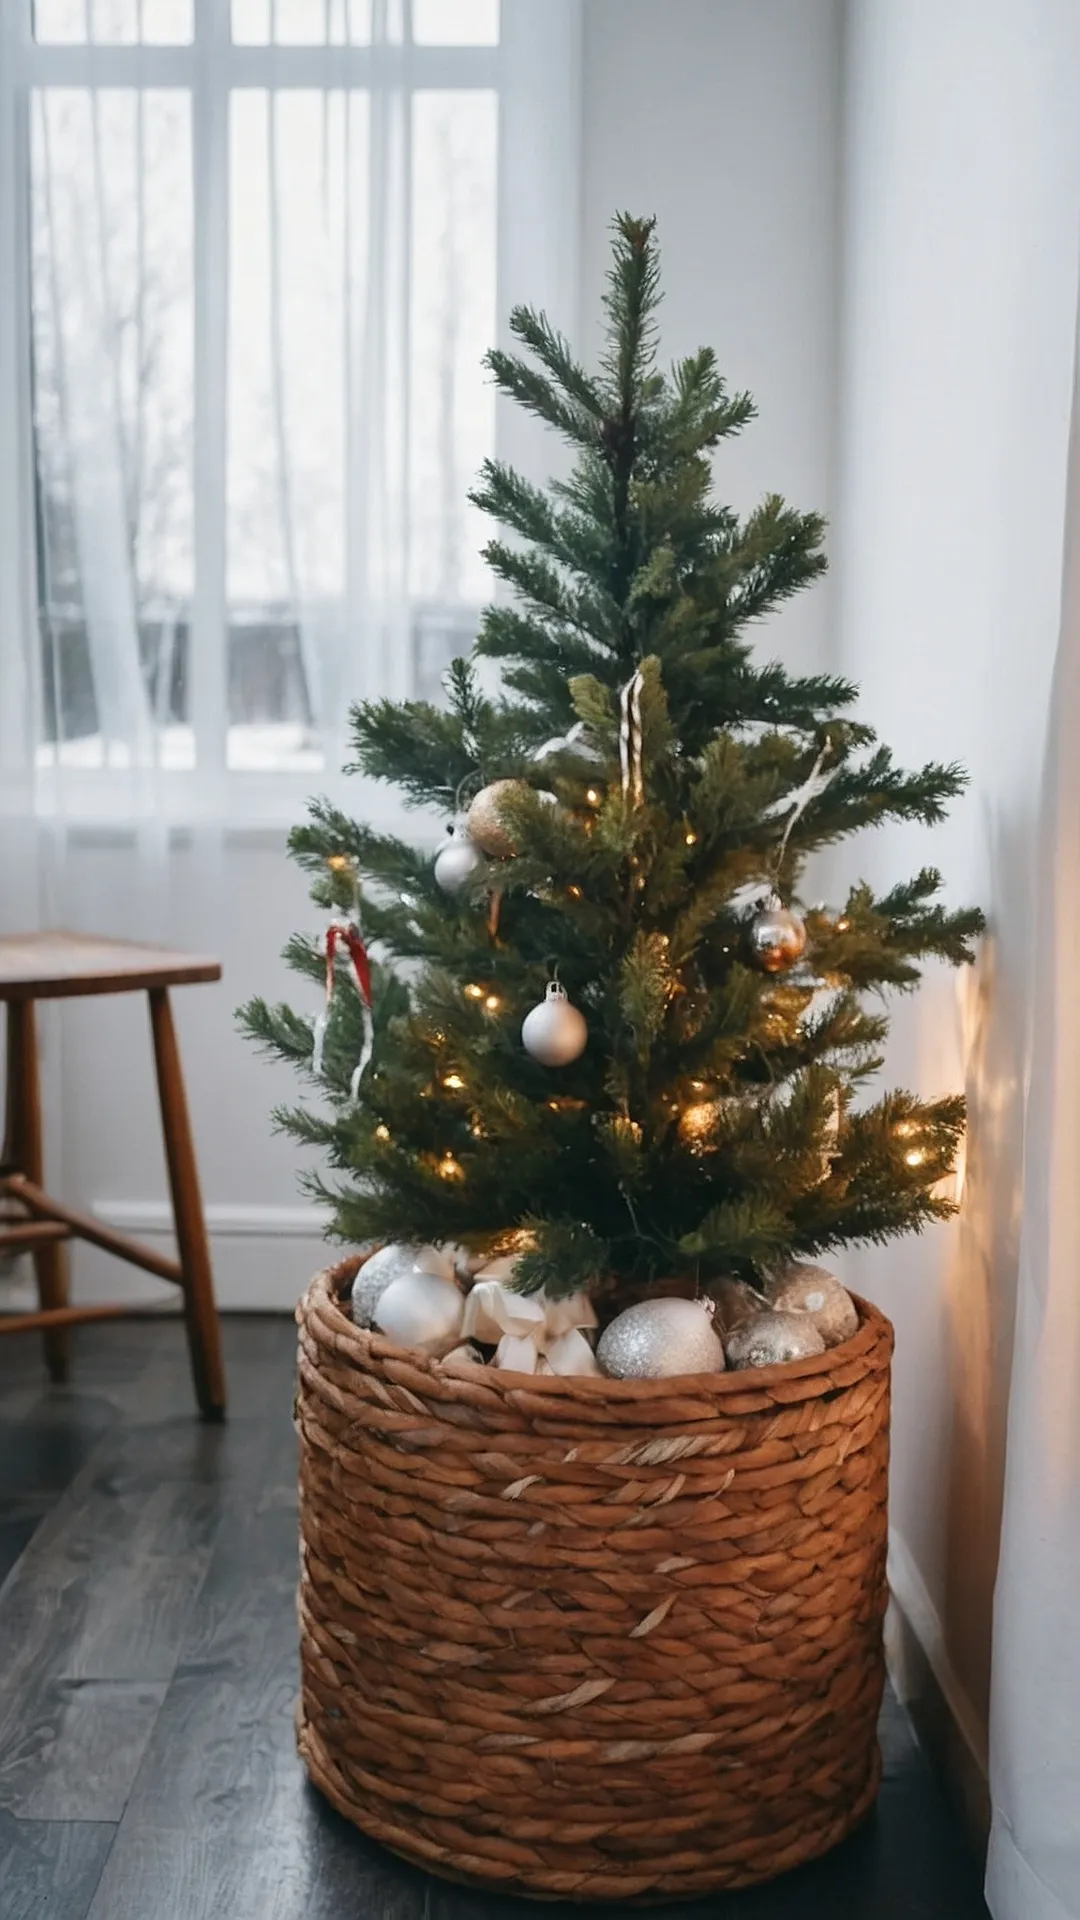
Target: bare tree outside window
(360,296)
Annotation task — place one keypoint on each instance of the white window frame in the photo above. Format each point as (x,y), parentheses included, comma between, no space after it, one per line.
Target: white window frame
(210,67)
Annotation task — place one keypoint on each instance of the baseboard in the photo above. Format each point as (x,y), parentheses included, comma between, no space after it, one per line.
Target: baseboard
(263,1256)
(927,1683)
(228,1221)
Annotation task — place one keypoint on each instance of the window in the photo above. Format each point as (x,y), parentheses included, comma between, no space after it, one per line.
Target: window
(255,250)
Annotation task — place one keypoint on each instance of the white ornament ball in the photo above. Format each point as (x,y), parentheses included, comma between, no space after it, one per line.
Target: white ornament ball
(389,1263)
(658,1338)
(457,861)
(421,1310)
(803,1288)
(772,1339)
(393,1262)
(554,1032)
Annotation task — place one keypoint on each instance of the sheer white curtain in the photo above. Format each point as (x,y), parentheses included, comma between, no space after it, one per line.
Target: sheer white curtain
(1034,1867)
(251,254)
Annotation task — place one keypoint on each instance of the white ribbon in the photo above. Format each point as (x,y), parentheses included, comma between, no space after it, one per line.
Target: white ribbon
(633,782)
(531,1333)
(800,800)
(562,742)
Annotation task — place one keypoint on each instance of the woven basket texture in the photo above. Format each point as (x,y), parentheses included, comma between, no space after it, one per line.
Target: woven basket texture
(591,1639)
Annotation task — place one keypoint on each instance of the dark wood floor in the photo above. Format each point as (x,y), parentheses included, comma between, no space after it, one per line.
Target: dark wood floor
(148,1670)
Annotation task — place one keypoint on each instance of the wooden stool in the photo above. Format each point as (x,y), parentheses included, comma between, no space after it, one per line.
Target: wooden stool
(62,966)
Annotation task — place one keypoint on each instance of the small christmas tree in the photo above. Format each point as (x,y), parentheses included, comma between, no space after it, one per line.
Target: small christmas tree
(714,1122)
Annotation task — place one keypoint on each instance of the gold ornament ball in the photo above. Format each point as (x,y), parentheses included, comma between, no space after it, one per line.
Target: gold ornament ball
(485,824)
(803,1288)
(777,938)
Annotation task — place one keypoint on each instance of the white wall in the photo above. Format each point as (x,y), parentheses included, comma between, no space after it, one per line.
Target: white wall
(723,119)
(962,223)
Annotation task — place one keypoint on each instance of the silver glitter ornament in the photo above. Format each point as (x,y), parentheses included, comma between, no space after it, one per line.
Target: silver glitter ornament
(457,861)
(554,1032)
(777,936)
(422,1310)
(393,1262)
(771,1339)
(803,1288)
(658,1338)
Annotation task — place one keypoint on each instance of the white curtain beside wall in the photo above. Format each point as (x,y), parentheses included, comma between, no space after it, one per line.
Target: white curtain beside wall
(356,413)
(1034,1865)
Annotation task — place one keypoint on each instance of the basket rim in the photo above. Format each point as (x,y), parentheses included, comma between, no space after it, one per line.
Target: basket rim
(324,1292)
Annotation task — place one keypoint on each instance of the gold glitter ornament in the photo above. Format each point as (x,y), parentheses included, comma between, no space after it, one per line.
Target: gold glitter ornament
(485,823)
(803,1288)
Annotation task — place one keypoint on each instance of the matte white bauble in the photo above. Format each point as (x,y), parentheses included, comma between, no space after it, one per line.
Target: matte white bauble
(657,1338)
(457,861)
(554,1032)
(421,1310)
(389,1263)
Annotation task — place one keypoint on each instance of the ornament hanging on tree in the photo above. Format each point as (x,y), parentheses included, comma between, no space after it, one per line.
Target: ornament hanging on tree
(554,1032)
(803,1288)
(458,860)
(777,936)
(422,1310)
(342,933)
(772,1339)
(485,823)
(658,1338)
(394,1262)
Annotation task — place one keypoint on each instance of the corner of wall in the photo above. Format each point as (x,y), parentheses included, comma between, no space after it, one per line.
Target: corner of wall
(927,1684)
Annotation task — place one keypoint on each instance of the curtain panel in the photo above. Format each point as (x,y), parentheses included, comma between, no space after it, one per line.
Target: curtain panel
(251,257)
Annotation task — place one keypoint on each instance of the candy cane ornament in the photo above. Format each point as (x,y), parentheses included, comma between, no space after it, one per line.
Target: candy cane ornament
(346,934)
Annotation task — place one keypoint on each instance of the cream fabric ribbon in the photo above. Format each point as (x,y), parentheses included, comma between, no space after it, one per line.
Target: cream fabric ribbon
(531,1333)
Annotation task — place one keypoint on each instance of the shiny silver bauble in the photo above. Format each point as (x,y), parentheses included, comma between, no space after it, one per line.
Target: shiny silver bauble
(773,1339)
(777,937)
(457,861)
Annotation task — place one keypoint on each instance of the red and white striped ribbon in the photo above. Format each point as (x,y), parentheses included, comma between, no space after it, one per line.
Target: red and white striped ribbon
(345,934)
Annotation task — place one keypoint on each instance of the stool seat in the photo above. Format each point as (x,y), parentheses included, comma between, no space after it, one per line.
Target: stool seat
(65,966)
(58,965)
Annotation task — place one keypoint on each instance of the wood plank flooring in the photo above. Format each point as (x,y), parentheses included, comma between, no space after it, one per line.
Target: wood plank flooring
(148,1673)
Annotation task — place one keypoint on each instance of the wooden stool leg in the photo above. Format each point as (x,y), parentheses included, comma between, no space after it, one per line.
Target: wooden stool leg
(200,1310)
(24,1153)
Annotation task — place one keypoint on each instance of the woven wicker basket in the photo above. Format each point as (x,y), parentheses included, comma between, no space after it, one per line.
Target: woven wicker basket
(598,1639)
